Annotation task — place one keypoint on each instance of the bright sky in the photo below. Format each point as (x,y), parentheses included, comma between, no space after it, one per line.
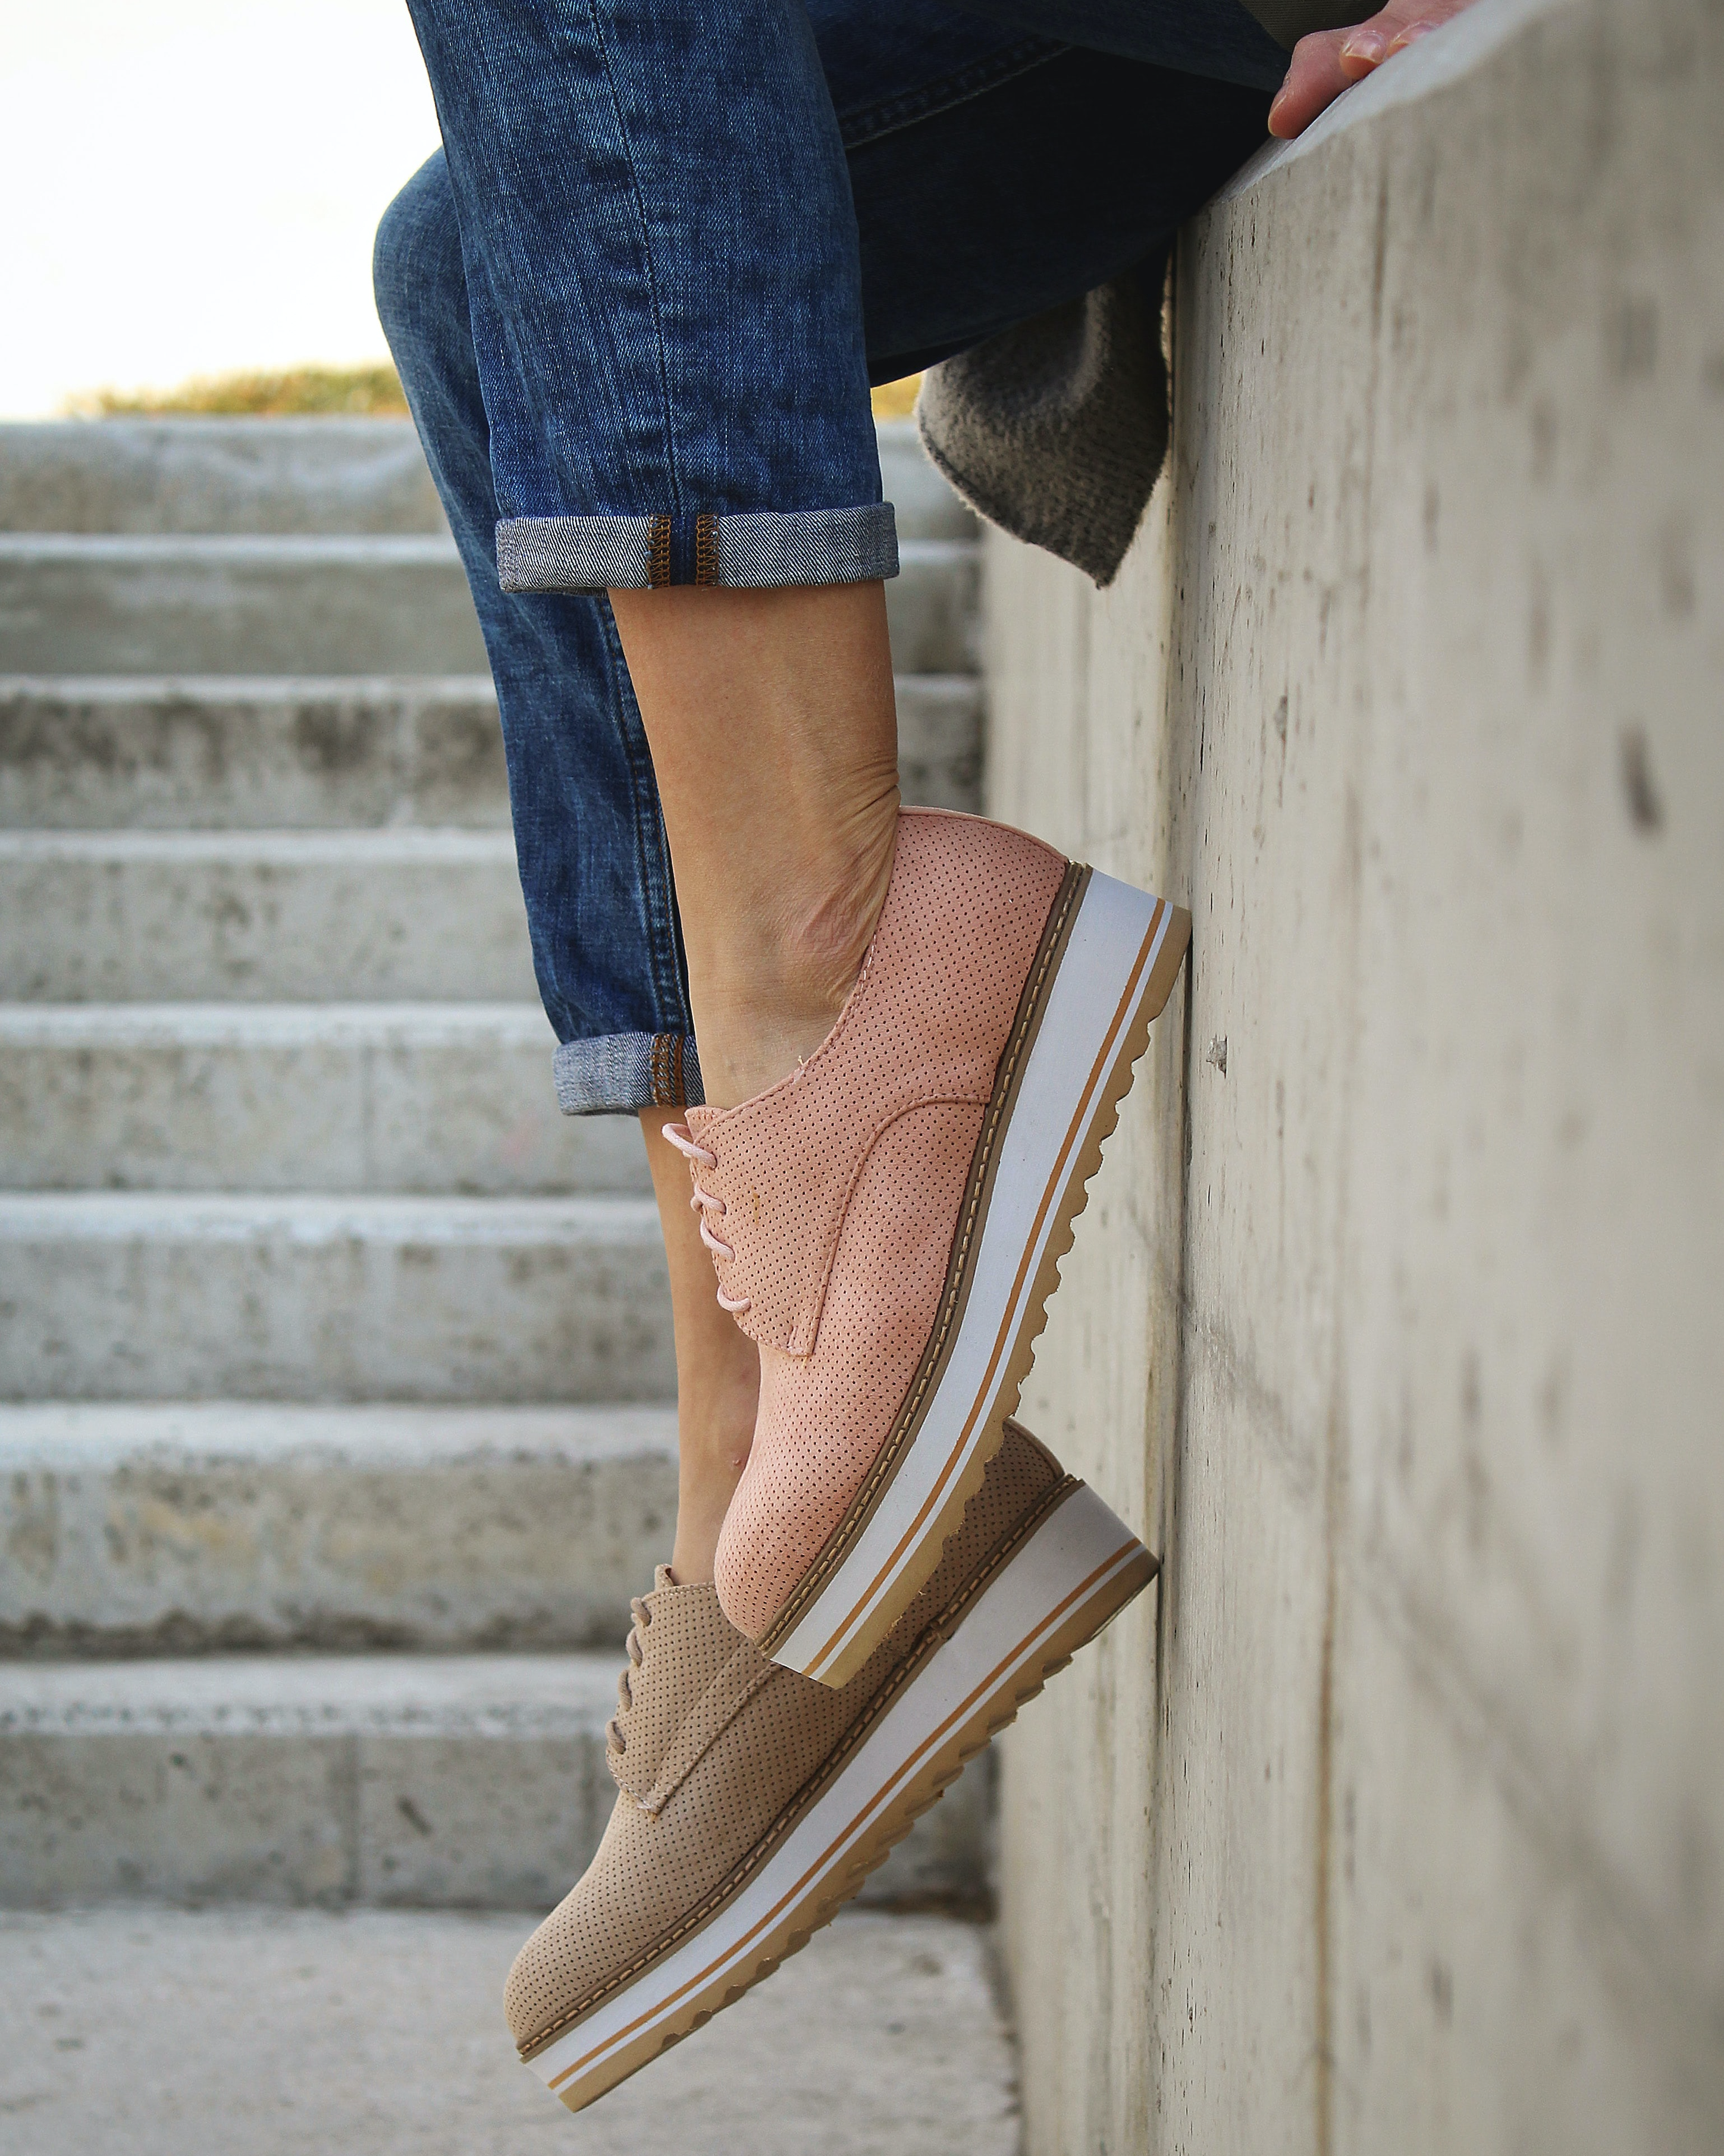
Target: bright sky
(192,186)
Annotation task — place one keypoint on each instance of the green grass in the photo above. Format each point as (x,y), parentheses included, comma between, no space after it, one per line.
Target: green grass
(895,400)
(357,392)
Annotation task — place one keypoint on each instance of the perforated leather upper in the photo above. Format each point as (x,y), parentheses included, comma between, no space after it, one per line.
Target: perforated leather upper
(925,1023)
(658,1871)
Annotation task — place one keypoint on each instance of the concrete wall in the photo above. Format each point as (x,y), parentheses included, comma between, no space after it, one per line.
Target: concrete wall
(1398,1316)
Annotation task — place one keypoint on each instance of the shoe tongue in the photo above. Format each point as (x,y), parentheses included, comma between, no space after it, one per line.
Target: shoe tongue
(696,1669)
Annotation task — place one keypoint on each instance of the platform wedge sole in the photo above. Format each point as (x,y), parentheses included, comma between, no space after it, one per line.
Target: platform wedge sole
(1072,1569)
(1109,959)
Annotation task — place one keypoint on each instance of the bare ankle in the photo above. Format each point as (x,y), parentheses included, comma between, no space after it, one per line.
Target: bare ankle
(767,1001)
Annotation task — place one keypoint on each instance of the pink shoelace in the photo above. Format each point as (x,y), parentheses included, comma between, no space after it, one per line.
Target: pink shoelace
(706,1205)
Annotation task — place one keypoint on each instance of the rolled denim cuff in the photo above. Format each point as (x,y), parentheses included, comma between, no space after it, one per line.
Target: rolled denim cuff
(622,1073)
(626,553)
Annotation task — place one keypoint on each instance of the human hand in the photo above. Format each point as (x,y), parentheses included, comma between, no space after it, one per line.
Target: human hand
(1330,61)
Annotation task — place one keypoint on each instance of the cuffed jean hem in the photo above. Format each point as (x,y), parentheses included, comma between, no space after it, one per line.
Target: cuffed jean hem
(622,1073)
(760,547)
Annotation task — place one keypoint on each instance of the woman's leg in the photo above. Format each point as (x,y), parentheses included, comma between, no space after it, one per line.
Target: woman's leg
(774,738)
(595,869)
(663,275)
(770,715)
(664,286)
(653,398)
(590,842)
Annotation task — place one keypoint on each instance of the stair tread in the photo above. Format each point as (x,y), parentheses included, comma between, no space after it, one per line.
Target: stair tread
(263,548)
(85,1435)
(350,688)
(314,1212)
(291,1693)
(366,844)
(246,1024)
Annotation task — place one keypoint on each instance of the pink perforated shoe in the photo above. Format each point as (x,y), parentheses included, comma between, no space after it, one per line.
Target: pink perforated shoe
(887,1222)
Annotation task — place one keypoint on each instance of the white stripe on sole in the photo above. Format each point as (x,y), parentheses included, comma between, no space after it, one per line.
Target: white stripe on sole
(1072,1563)
(1105,972)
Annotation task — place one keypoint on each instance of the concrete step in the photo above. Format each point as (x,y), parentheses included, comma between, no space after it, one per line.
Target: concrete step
(325,604)
(425,1781)
(407,1097)
(159,1296)
(144,475)
(230,750)
(268,917)
(206,753)
(241,1526)
(261,476)
(288,604)
(379,2032)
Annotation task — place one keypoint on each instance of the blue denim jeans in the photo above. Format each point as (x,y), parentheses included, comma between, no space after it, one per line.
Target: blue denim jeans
(637,301)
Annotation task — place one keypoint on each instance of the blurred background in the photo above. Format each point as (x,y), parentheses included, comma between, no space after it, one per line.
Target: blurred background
(201,180)
(206,181)
(337,1399)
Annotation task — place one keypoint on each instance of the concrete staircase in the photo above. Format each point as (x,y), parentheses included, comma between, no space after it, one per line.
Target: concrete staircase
(336,1365)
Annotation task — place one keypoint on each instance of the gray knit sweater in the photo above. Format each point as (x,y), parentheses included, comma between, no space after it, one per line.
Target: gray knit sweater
(1056,430)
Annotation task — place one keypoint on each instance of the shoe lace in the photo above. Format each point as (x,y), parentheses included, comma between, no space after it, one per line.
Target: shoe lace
(706,1205)
(615,1742)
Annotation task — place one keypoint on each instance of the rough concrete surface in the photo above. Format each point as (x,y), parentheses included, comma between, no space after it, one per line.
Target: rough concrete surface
(474,1781)
(233,603)
(261,916)
(232,752)
(153,475)
(1394,1322)
(151,1295)
(940,740)
(410,1098)
(193,751)
(246,2034)
(335,476)
(243,1525)
(469,1780)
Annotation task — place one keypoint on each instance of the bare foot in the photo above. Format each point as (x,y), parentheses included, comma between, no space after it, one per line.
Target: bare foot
(1331,61)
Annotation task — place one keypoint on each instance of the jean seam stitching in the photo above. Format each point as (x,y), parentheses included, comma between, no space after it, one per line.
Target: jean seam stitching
(646,249)
(891,115)
(652,850)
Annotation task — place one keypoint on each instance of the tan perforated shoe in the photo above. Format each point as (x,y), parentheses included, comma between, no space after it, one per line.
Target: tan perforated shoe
(753,1802)
(887,1224)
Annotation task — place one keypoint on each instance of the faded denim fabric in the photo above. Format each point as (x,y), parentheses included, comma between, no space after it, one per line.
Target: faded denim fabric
(637,301)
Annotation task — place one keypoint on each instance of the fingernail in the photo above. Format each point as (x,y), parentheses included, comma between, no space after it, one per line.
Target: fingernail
(1363,45)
